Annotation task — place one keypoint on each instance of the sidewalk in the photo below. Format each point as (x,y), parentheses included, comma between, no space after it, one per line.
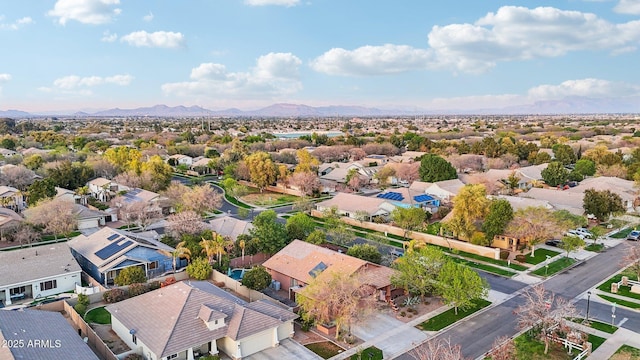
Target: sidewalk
(614,341)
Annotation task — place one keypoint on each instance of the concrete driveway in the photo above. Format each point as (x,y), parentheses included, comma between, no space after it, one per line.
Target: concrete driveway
(287,350)
(388,333)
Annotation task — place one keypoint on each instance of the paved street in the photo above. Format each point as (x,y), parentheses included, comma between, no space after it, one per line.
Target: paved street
(500,320)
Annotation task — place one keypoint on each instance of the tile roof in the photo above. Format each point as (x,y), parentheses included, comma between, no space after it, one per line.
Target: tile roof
(168,320)
(22,265)
(35,325)
(230,226)
(352,203)
(299,258)
(100,182)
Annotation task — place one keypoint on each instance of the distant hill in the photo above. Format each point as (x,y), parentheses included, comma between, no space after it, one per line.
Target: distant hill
(568,105)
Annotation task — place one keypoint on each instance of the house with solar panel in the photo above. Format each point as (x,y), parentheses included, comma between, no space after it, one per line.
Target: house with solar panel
(408,198)
(106,252)
(144,196)
(350,205)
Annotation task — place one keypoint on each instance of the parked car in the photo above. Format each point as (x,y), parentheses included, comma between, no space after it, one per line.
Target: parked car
(634,235)
(554,243)
(396,252)
(585,232)
(575,233)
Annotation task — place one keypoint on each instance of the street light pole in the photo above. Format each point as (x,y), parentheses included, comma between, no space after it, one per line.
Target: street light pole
(613,313)
(588,298)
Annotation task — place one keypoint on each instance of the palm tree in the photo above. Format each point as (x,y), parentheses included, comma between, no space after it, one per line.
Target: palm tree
(180,252)
(208,247)
(83,191)
(218,245)
(242,245)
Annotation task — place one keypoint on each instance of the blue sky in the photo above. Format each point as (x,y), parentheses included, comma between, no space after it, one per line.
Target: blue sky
(414,54)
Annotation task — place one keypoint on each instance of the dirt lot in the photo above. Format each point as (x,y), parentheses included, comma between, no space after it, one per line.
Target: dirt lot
(429,305)
(110,338)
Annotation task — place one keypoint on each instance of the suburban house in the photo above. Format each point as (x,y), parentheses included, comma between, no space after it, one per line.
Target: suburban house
(179,159)
(337,172)
(104,253)
(144,196)
(298,263)
(6,152)
(9,219)
(626,189)
(68,195)
(12,198)
(408,198)
(43,335)
(406,157)
(230,227)
(105,189)
(37,272)
(558,199)
(351,205)
(377,159)
(89,218)
(445,190)
(189,319)
(201,165)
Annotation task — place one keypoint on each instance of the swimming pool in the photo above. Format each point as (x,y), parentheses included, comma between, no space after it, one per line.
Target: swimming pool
(237,274)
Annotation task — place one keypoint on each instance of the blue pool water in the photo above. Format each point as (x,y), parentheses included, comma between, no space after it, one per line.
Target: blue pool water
(236,274)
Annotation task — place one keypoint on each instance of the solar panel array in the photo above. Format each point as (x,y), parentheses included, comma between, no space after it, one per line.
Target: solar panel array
(132,195)
(113,237)
(422,198)
(391,196)
(112,249)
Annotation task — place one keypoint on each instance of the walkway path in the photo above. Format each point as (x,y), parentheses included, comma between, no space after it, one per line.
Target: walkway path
(614,341)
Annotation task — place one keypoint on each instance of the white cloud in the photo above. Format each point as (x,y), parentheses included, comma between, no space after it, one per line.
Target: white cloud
(631,7)
(518,33)
(4,78)
(275,74)
(107,36)
(593,88)
(372,60)
(272,2)
(148,17)
(74,81)
(510,34)
(161,39)
(85,11)
(16,24)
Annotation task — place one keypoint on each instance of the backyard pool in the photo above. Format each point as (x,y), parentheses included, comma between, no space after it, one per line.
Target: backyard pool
(236,274)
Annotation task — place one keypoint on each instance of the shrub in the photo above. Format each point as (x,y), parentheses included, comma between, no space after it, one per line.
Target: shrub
(210,357)
(402,313)
(137,289)
(504,254)
(80,308)
(521,258)
(409,315)
(130,275)
(83,299)
(199,269)
(114,295)
(153,285)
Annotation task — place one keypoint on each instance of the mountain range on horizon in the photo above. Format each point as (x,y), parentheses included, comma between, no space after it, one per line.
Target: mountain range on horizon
(569,105)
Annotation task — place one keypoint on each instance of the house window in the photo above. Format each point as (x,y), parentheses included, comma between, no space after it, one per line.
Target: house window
(294,282)
(172,356)
(134,339)
(153,265)
(48,285)
(17,290)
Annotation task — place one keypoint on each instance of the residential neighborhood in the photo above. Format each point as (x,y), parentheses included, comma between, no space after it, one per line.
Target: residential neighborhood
(191,243)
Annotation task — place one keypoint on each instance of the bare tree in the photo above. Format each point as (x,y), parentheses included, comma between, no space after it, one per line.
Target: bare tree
(544,313)
(632,258)
(440,349)
(55,216)
(408,171)
(186,222)
(201,199)
(139,213)
(19,177)
(306,182)
(503,349)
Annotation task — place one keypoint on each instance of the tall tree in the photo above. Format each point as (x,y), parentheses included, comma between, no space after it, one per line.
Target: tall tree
(201,199)
(306,182)
(336,296)
(258,278)
(632,258)
(366,252)
(270,235)
(186,222)
(437,349)
(503,348)
(571,244)
(601,204)
(459,285)
(564,154)
(384,174)
(217,245)
(469,206)
(299,226)
(130,275)
(542,312)
(555,174)
(496,221)
(433,168)
(40,190)
(418,270)
(535,224)
(262,169)
(19,177)
(408,219)
(55,216)
(307,163)
(585,167)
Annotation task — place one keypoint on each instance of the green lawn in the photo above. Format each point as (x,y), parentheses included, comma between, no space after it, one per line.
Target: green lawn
(598,325)
(53,237)
(98,315)
(595,341)
(628,304)
(627,352)
(325,349)
(531,348)
(540,256)
(554,267)
(623,233)
(622,290)
(594,247)
(369,353)
(268,198)
(484,267)
(449,317)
